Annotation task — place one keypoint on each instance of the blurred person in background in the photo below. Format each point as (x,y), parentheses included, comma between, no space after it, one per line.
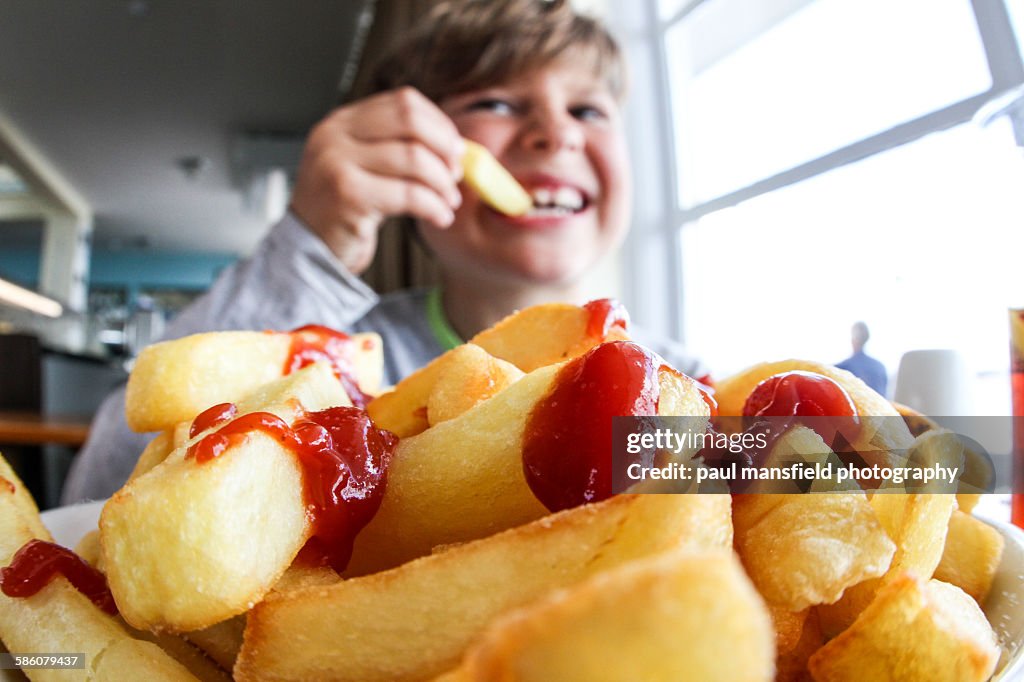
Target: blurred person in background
(870,370)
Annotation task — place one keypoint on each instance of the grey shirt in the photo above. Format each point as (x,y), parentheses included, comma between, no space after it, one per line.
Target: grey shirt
(292,279)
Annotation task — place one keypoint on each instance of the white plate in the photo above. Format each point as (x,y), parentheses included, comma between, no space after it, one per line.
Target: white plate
(1004,606)
(69,524)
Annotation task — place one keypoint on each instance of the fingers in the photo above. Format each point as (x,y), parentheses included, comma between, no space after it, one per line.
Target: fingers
(395,153)
(396,196)
(406,114)
(414,162)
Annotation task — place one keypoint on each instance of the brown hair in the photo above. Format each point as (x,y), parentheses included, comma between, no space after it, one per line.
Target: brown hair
(463,45)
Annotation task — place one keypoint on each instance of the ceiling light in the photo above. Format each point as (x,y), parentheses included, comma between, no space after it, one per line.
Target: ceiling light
(21,297)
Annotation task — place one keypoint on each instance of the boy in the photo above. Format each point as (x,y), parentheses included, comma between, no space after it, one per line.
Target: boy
(537,84)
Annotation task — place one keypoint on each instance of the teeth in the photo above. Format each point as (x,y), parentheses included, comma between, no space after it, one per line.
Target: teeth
(542,197)
(566,199)
(569,198)
(550,211)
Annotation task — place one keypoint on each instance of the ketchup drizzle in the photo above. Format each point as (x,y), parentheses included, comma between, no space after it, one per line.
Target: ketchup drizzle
(604,315)
(798,394)
(344,461)
(316,343)
(212,416)
(567,444)
(38,562)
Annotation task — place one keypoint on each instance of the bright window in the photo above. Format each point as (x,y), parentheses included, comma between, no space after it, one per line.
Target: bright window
(832,73)
(927,251)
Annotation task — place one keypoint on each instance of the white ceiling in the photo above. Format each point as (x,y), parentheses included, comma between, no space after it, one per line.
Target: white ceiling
(114,92)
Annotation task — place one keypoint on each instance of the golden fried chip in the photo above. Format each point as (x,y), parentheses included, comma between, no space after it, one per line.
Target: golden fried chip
(672,618)
(416,620)
(971,555)
(808,549)
(532,338)
(493,182)
(59,618)
(173,381)
(917,523)
(463,479)
(471,376)
(914,631)
(190,544)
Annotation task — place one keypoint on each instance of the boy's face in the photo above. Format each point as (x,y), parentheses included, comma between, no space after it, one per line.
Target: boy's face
(558,131)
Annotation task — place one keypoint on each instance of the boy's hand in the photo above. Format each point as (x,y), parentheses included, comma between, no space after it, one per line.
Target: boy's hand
(395,153)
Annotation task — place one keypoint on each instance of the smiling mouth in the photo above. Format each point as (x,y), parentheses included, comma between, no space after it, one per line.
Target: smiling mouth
(557,202)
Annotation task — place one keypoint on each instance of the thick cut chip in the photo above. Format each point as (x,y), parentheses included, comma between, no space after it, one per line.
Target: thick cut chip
(545,334)
(184,652)
(914,631)
(173,381)
(472,376)
(221,642)
(190,544)
(463,479)
(971,555)
(22,501)
(415,621)
(88,548)
(679,617)
(803,550)
(493,182)
(59,618)
(155,452)
(917,524)
(529,339)
(880,432)
(797,636)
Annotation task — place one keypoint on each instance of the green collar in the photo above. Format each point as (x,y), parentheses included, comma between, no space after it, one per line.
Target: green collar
(443,332)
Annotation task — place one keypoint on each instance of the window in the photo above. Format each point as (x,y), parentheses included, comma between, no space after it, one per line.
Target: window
(826,166)
(831,73)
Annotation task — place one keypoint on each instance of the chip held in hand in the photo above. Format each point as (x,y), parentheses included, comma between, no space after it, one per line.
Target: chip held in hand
(493,182)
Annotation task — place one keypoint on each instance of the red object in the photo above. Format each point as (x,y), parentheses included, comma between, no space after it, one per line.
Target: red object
(1017,394)
(38,562)
(344,461)
(804,394)
(234,432)
(1017,406)
(210,417)
(567,445)
(316,343)
(799,394)
(605,313)
(708,400)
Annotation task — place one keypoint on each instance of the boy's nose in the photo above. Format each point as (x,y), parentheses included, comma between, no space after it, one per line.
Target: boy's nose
(551,131)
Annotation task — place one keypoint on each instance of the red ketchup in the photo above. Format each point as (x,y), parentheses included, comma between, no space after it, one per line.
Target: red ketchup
(38,562)
(804,394)
(212,416)
(567,444)
(316,343)
(604,315)
(344,461)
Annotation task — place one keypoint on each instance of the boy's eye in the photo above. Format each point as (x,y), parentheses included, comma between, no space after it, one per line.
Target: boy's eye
(493,105)
(588,112)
